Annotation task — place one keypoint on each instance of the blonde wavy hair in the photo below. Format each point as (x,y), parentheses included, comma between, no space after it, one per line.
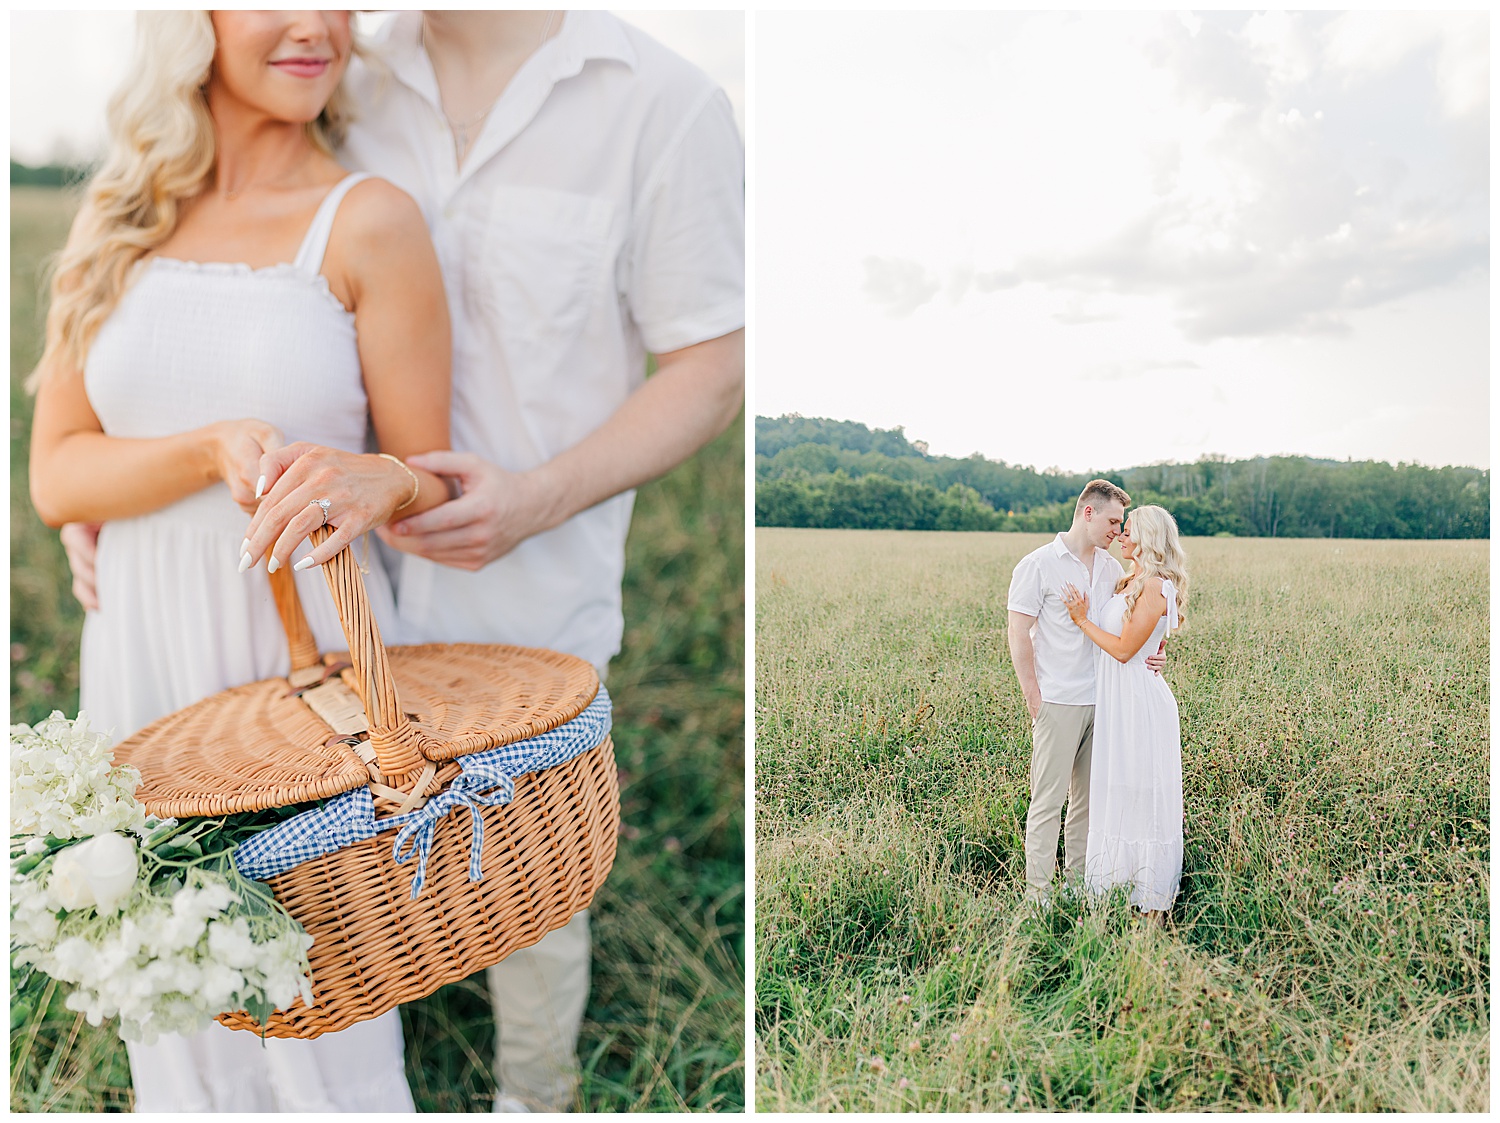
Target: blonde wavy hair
(1158,554)
(162,150)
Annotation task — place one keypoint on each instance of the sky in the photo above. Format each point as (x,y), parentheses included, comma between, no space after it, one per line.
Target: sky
(1095,241)
(65,65)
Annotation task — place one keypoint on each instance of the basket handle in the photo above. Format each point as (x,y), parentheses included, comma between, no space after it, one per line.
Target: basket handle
(397,744)
(301,644)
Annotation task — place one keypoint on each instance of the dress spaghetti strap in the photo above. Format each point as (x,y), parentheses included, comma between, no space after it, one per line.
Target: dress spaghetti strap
(1169,591)
(315,243)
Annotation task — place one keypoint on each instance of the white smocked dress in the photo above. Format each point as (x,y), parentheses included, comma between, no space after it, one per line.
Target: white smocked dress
(1135,781)
(189,344)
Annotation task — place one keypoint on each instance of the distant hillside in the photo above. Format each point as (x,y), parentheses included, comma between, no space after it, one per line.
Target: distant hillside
(826,473)
(772,434)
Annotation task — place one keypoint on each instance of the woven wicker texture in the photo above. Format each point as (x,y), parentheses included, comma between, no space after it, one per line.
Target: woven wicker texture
(244,749)
(545,855)
(467,697)
(261,746)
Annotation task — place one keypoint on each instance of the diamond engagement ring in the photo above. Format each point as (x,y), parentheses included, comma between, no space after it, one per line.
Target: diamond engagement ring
(324,504)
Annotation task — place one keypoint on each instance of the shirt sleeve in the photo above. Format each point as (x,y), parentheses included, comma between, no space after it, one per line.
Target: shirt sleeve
(1026,588)
(687,274)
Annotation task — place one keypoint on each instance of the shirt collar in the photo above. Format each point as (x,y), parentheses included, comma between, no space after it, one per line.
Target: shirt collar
(1060,548)
(584,35)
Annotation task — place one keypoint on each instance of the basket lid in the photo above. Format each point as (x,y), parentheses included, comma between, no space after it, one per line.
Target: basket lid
(265,745)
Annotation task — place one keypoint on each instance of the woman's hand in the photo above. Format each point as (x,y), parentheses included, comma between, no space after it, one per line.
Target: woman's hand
(362,491)
(238,447)
(1078,604)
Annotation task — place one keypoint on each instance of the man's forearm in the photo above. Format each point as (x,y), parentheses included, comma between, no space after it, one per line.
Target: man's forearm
(686,404)
(693,396)
(1023,659)
(1024,662)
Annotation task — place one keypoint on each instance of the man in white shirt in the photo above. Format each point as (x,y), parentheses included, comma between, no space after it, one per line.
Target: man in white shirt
(585,191)
(597,214)
(584,188)
(1054,663)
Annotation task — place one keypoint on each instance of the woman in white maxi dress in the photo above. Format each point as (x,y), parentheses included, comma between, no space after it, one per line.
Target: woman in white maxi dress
(1135,779)
(317,350)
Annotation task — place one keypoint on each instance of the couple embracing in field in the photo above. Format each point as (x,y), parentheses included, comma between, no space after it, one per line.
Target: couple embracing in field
(1086,641)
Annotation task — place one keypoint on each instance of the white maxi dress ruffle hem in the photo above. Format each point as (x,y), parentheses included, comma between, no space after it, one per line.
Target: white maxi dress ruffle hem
(189,344)
(1135,782)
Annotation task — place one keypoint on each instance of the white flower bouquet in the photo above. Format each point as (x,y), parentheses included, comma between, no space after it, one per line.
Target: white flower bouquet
(145,919)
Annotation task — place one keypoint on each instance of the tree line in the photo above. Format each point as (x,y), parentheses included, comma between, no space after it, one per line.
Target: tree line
(47,175)
(815,472)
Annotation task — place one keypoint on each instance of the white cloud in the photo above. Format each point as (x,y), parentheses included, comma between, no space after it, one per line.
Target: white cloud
(1270,281)
(1138,368)
(1257,211)
(899,286)
(1364,46)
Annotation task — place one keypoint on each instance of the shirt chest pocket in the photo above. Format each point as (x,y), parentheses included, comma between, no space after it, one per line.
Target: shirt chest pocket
(538,262)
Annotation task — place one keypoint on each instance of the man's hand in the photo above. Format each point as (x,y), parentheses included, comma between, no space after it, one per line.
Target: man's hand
(81,543)
(496,511)
(1159,660)
(1034,704)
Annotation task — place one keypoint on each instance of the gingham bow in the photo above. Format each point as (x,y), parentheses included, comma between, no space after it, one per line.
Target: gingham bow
(415,838)
(487,780)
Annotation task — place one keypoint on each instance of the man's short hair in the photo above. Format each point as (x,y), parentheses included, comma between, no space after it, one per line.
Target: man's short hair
(1096,492)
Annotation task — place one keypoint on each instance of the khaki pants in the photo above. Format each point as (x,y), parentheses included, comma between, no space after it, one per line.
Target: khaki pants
(538,995)
(1062,744)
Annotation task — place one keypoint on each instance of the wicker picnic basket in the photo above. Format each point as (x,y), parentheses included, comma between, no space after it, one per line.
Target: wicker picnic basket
(398,721)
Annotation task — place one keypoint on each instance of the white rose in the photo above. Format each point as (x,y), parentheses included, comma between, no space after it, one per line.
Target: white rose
(100,871)
(69,883)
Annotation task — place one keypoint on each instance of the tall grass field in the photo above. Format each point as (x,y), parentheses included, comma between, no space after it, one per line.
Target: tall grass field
(1330,947)
(664,1029)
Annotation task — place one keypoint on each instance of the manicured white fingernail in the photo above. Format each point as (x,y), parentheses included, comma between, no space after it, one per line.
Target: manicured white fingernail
(245,546)
(245,561)
(273,565)
(303,564)
(260,486)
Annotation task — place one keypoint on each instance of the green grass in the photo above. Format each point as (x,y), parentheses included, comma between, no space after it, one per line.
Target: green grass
(664,1028)
(1330,946)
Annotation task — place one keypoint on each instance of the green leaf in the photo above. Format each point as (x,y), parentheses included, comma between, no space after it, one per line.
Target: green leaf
(259,1007)
(30,862)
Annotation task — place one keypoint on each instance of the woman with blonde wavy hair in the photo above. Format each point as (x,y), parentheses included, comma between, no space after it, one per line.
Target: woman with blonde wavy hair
(1135,785)
(232,319)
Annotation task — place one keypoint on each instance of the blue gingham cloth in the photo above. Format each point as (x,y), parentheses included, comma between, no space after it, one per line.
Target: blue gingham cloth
(487,779)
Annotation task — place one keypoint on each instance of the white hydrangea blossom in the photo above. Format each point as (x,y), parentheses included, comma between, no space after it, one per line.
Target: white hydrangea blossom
(175,954)
(168,964)
(62,782)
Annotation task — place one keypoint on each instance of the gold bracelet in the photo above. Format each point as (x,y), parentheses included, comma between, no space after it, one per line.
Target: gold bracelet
(416,484)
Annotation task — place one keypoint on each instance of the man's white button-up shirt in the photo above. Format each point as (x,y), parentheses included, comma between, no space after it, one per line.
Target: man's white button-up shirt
(1064,655)
(599,215)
